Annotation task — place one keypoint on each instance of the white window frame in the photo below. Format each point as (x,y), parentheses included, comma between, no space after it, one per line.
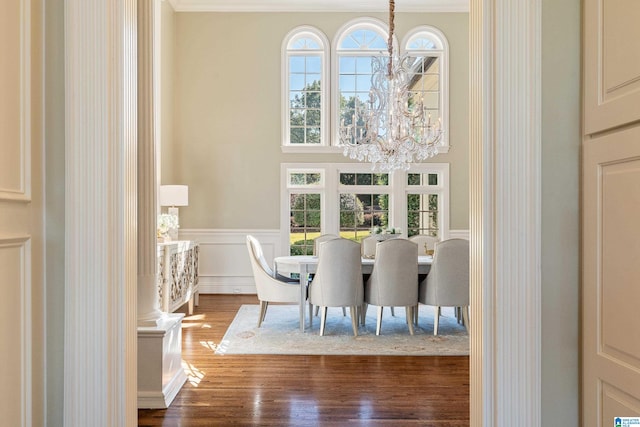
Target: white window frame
(287,52)
(442,189)
(365,23)
(330,189)
(441,50)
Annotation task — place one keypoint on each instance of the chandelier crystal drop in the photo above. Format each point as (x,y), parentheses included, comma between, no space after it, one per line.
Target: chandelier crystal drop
(393,128)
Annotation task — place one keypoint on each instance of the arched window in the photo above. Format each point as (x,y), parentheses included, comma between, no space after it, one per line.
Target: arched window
(305,88)
(354,46)
(430,48)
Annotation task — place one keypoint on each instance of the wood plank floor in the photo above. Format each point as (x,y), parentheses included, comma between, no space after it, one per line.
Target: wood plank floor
(271,390)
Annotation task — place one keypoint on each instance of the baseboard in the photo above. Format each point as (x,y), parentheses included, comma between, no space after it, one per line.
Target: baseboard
(227,285)
(162,400)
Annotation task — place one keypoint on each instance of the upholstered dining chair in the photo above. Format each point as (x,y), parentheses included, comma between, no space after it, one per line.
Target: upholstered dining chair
(447,284)
(425,243)
(394,280)
(368,246)
(320,239)
(268,286)
(338,280)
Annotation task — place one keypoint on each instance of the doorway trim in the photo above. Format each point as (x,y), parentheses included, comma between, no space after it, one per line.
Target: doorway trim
(505,212)
(505,166)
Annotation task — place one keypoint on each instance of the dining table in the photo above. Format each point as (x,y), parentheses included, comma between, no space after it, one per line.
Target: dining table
(305,265)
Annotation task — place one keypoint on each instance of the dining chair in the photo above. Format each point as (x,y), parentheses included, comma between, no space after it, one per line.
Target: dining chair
(269,288)
(320,239)
(425,243)
(394,280)
(447,284)
(368,246)
(338,280)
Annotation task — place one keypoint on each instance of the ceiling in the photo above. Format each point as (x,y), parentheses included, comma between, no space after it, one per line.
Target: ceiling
(319,5)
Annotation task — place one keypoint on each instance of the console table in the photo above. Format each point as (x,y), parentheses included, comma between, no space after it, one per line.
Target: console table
(178,275)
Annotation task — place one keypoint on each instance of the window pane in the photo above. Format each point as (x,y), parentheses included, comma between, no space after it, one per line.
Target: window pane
(433,179)
(314,179)
(297,135)
(313,135)
(313,118)
(363,65)
(297,179)
(314,64)
(363,179)
(313,99)
(413,179)
(422,214)
(296,82)
(305,223)
(296,64)
(312,79)
(348,178)
(381,179)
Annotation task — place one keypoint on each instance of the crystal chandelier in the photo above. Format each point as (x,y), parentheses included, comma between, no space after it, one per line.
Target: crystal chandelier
(394,128)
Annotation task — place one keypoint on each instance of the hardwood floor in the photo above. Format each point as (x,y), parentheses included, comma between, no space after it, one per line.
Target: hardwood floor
(307,390)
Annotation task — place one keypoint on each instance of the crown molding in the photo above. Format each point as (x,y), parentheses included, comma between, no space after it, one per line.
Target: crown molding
(318,6)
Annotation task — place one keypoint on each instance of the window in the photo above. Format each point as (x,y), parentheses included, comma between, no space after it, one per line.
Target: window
(348,199)
(428,48)
(306,84)
(305,88)
(356,44)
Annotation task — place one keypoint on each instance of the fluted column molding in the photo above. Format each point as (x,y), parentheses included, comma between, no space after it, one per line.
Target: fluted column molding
(100,213)
(148,133)
(505,215)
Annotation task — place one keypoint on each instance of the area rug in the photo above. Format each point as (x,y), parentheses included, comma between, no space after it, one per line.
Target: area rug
(280,334)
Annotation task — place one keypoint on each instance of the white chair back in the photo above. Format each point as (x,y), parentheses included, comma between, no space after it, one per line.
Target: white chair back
(368,246)
(394,280)
(338,279)
(322,238)
(269,288)
(447,283)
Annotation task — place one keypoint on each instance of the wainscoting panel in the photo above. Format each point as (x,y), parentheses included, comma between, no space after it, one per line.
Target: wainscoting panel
(224,266)
(15,331)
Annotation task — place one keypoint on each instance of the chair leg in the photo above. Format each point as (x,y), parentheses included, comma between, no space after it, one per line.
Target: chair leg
(310,315)
(344,311)
(436,318)
(379,323)
(354,320)
(263,312)
(393,313)
(317,307)
(363,313)
(415,314)
(323,319)
(465,317)
(409,312)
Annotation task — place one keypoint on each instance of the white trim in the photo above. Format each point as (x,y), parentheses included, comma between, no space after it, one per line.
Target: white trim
(318,6)
(374,24)
(505,165)
(325,77)
(397,190)
(444,93)
(100,213)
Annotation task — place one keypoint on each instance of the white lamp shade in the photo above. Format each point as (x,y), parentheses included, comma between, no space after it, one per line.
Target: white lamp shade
(174,195)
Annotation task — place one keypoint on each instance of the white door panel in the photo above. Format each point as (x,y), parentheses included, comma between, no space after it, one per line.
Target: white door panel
(611,212)
(612,63)
(20,216)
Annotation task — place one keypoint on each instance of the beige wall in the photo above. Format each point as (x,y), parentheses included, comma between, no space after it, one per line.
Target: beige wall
(560,211)
(227,117)
(167,99)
